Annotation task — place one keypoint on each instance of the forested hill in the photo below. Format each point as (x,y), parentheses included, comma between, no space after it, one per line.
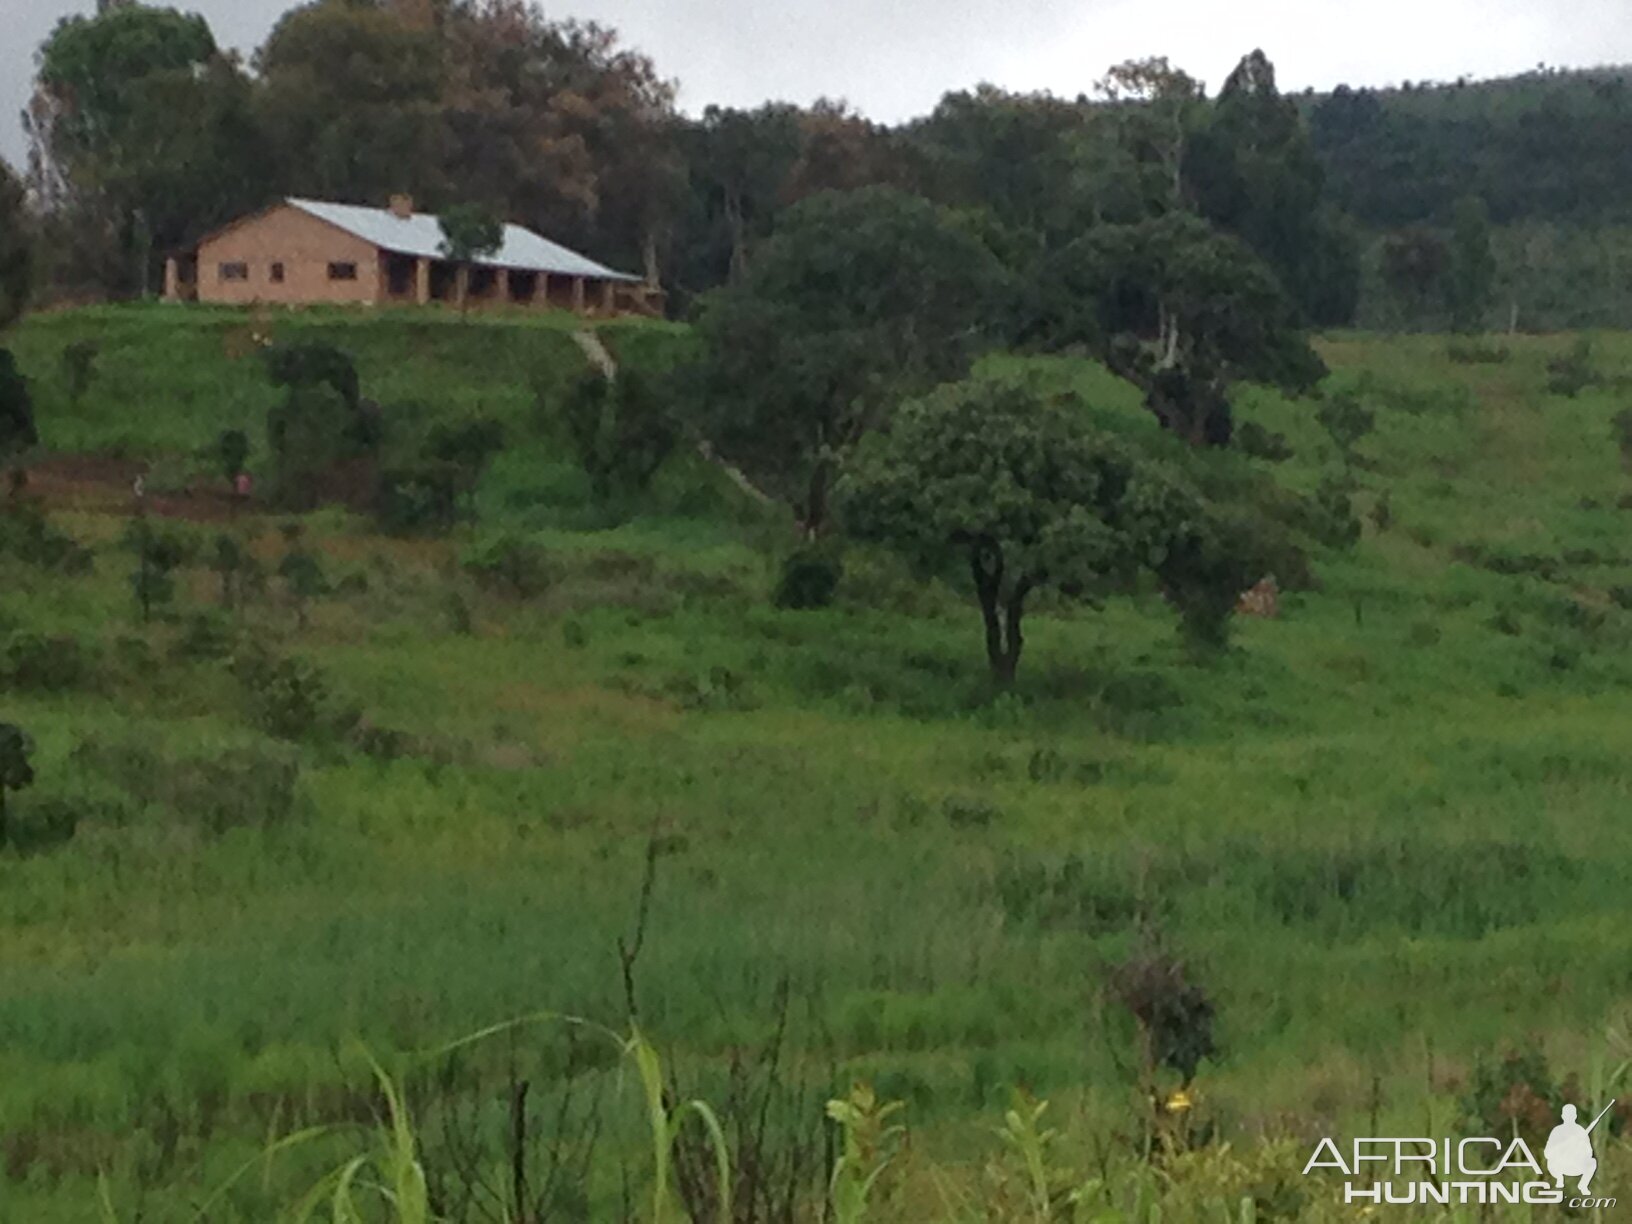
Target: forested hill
(1549,145)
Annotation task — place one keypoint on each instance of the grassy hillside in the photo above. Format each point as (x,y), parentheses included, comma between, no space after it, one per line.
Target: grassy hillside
(1387,832)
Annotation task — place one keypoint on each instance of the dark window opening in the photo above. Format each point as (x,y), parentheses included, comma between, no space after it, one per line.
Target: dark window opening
(522,285)
(482,281)
(277,274)
(443,281)
(342,271)
(401,276)
(234,271)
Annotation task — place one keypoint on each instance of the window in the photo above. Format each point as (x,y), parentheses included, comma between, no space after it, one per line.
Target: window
(277,274)
(342,271)
(233,271)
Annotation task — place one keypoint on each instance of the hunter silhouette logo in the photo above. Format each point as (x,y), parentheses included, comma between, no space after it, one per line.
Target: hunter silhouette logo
(1480,1170)
(1569,1149)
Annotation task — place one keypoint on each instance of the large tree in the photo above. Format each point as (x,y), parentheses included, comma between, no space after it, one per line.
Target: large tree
(1472,282)
(351,100)
(1253,171)
(1020,491)
(563,123)
(142,137)
(1182,311)
(859,299)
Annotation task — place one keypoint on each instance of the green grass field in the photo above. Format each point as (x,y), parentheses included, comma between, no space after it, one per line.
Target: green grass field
(1388,832)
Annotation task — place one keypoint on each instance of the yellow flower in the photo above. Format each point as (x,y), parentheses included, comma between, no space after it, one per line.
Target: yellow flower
(1179,1102)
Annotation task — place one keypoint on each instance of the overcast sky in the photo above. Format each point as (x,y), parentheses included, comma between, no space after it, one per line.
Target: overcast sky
(894,58)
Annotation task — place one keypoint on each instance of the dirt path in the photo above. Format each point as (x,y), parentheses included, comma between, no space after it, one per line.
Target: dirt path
(102,484)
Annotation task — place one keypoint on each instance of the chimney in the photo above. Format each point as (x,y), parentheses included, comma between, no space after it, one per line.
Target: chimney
(402,206)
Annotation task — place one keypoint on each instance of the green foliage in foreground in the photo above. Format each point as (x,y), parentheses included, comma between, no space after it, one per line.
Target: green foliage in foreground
(1385,831)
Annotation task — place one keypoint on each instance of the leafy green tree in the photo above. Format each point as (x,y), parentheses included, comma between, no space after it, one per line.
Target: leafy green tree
(144,132)
(1347,421)
(303,580)
(352,100)
(468,447)
(1254,173)
(1415,262)
(858,299)
(16,770)
(469,232)
(1471,285)
(621,429)
(16,248)
(158,554)
(1183,312)
(321,419)
(1021,492)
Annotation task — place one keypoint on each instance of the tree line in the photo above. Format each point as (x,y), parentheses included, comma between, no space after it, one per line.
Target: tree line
(145,134)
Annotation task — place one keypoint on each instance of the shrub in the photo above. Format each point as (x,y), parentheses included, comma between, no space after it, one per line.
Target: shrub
(158,553)
(1330,515)
(510,564)
(419,497)
(1477,352)
(28,536)
(1574,371)
(16,768)
(79,368)
(47,664)
(1346,419)
(41,826)
(204,636)
(1253,439)
(1174,1014)
(231,452)
(809,578)
(286,697)
(240,788)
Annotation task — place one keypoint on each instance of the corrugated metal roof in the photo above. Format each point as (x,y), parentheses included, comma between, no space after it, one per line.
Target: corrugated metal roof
(421,235)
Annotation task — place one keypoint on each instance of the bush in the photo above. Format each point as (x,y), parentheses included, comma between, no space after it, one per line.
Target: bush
(422,497)
(79,368)
(1477,352)
(511,565)
(1330,515)
(287,697)
(1574,371)
(204,636)
(240,788)
(28,536)
(1253,439)
(47,664)
(809,578)
(42,826)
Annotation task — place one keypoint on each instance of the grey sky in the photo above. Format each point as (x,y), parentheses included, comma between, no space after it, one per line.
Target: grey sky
(894,58)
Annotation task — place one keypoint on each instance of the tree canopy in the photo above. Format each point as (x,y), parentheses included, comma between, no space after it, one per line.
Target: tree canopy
(1018,489)
(858,299)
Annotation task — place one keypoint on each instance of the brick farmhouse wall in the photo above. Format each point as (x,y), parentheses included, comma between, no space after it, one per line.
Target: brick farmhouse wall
(304,246)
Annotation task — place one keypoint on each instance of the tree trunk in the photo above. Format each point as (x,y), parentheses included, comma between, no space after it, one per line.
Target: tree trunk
(817,496)
(738,225)
(1002,618)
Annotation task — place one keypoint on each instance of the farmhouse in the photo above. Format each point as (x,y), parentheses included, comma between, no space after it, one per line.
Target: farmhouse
(307,251)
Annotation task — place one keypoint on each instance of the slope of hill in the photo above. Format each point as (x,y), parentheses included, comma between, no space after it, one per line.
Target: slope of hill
(1386,834)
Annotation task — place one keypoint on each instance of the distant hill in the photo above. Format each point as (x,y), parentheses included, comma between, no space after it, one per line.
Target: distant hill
(1545,150)
(1550,145)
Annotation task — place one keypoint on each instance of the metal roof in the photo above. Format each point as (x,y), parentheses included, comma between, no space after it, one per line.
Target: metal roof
(421,235)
